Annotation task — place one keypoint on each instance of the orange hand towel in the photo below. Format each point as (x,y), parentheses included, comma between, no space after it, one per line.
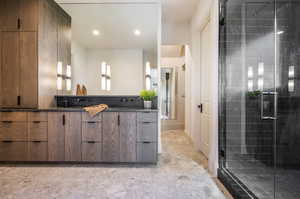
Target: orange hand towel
(94,110)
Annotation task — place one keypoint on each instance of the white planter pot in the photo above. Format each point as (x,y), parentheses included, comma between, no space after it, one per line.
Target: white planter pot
(147,104)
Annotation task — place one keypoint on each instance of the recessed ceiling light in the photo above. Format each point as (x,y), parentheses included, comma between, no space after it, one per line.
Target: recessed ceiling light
(137,32)
(96,32)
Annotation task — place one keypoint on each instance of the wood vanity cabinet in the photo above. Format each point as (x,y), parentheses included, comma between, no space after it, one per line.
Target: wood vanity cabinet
(64,136)
(34,36)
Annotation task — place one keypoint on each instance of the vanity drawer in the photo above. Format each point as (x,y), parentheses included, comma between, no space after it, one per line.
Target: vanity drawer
(13,151)
(13,131)
(13,116)
(91,131)
(147,132)
(86,117)
(38,151)
(37,131)
(147,117)
(91,151)
(147,152)
(38,116)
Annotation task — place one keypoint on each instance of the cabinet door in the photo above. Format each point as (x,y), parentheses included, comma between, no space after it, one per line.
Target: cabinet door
(11,14)
(28,70)
(73,137)
(28,15)
(13,151)
(37,151)
(10,69)
(111,137)
(128,132)
(0,61)
(56,136)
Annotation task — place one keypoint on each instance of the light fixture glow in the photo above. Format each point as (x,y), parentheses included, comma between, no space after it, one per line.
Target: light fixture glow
(148,68)
(260,68)
(59,68)
(148,83)
(250,72)
(280,32)
(69,73)
(96,32)
(260,84)
(291,71)
(108,85)
(69,84)
(108,72)
(59,83)
(103,68)
(103,83)
(291,85)
(137,32)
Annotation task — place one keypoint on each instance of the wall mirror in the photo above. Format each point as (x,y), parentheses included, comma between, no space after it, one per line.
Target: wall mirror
(114,48)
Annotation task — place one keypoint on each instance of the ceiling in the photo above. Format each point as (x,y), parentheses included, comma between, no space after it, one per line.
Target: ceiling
(173,11)
(116,23)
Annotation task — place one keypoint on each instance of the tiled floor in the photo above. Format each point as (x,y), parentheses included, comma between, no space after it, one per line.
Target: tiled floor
(178,175)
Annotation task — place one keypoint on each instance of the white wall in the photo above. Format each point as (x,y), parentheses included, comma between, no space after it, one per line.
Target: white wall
(127,70)
(175,34)
(206,9)
(79,65)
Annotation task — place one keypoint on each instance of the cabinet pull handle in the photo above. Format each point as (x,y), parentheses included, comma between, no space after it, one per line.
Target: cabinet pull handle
(147,122)
(91,122)
(7,141)
(91,142)
(37,122)
(35,141)
(64,120)
(19,23)
(19,100)
(7,121)
(146,142)
(119,120)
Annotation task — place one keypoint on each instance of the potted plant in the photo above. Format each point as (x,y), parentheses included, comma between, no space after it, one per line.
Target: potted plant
(147,96)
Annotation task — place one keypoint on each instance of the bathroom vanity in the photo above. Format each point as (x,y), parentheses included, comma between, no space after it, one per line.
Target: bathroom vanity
(71,135)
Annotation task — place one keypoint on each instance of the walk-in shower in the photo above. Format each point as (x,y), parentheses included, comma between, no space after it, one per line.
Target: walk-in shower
(259,114)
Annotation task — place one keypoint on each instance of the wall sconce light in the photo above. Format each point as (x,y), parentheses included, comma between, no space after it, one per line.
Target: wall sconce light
(68,78)
(59,75)
(291,77)
(148,76)
(105,76)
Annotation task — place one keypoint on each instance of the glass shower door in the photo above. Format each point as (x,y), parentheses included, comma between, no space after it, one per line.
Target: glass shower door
(288,125)
(249,94)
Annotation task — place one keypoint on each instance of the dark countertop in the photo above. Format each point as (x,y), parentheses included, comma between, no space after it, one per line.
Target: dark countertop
(76,109)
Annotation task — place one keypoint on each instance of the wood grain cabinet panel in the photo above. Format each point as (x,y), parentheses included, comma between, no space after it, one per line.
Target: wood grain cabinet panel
(10,69)
(147,132)
(147,117)
(38,116)
(13,116)
(86,117)
(0,60)
(28,70)
(128,139)
(13,131)
(73,137)
(147,152)
(91,131)
(13,151)
(28,15)
(110,137)
(37,131)
(11,12)
(37,151)
(56,136)
(91,151)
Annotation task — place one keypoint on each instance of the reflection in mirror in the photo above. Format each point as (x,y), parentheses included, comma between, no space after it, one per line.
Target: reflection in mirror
(112,45)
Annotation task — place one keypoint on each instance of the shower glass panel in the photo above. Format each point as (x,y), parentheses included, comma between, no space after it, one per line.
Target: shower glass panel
(249,94)
(167,90)
(260,113)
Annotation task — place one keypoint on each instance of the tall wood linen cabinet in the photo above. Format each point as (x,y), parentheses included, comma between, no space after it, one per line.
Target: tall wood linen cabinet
(34,36)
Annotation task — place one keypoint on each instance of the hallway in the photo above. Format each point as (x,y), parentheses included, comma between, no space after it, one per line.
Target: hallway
(178,175)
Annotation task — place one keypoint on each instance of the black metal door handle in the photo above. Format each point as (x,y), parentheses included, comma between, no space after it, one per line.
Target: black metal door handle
(200,106)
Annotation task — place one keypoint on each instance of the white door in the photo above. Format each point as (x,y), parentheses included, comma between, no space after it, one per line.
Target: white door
(205,88)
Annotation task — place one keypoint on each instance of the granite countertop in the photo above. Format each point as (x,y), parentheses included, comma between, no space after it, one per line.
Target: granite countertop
(76,109)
